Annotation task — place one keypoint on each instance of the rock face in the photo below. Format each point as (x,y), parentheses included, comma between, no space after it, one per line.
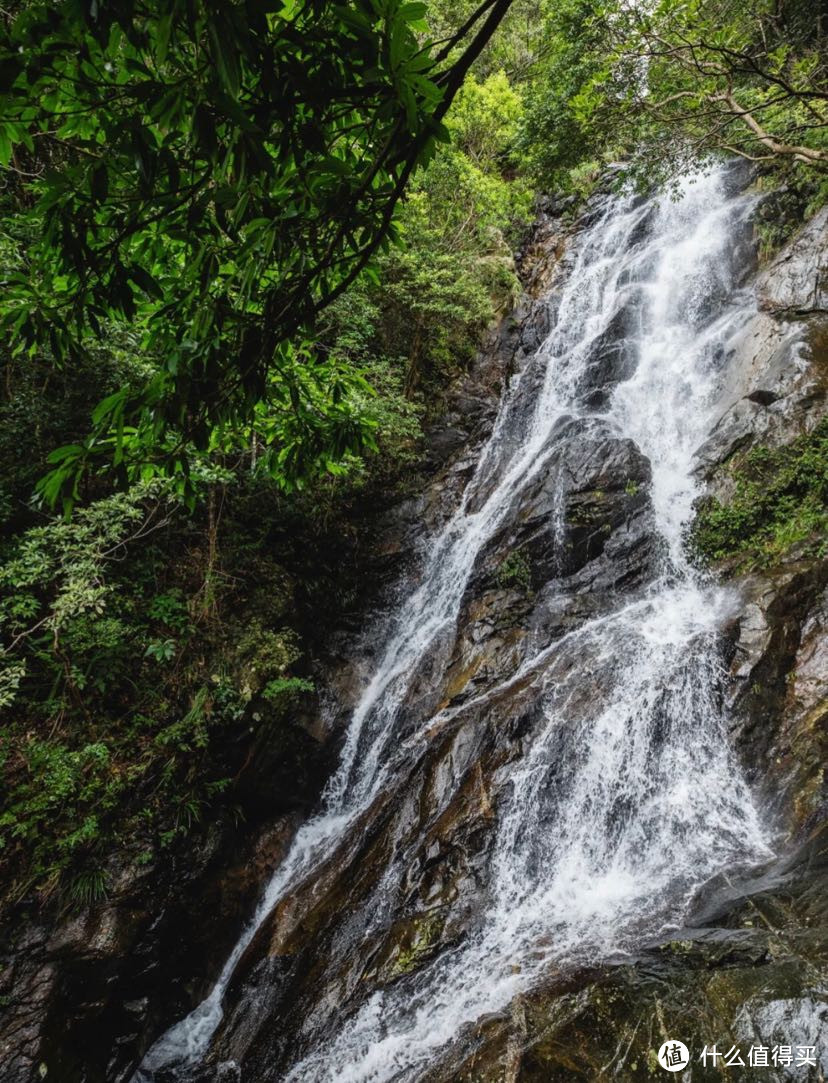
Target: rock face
(750,973)
(83,996)
(86,998)
(796,283)
(778,390)
(750,967)
(83,993)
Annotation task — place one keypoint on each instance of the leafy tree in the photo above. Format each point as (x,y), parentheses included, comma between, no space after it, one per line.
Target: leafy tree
(485,119)
(515,48)
(669,84)
(746,79)
(421,322)
(563,126)
(214,174)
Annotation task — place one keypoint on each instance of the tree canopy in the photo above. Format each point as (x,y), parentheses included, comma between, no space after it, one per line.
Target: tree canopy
(666,85)
(213,175)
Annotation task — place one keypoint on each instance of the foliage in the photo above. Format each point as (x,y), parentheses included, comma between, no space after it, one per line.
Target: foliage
(563,127)
(516,46)
(669,84)
(422,321)
(286,686)
(197,234)
(212,176)
(747,79)
(485,118)
(150,639)
(121,697)
(780,499)
(45,405)
(515,572)
(789,199)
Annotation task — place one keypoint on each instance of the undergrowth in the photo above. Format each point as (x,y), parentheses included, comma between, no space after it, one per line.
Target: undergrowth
(780,500)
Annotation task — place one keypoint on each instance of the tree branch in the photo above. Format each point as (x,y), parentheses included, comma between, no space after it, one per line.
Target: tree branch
(797,151)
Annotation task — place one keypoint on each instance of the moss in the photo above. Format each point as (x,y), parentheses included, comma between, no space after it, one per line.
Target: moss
(780,499)
(515,572)
(585,509)
(424,934)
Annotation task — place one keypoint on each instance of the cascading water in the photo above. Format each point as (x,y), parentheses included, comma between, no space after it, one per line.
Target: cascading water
(626,800)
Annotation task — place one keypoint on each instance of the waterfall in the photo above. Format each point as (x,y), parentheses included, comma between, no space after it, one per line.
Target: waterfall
(626,800)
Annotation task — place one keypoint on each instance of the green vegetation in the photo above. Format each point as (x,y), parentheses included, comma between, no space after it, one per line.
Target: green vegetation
(667,84)
(421,936)
(214,176)
(515,572)
(160,637)
(780,499)
(146,651)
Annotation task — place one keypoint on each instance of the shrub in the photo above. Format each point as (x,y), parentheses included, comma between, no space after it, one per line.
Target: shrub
(780,499)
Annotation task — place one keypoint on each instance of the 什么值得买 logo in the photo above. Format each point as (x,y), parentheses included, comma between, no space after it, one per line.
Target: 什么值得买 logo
(673,1056)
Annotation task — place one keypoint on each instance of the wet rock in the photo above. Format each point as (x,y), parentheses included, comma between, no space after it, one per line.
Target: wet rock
(779,695)
(763,396)
(410,879)
(748,973)
(85,996)
(594,485)
(535,326)
(796,283)
(539,256)
(613,359)
(775,390)
(311,947)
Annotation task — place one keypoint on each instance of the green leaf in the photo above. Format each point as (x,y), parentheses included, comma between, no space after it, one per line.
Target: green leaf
(5,147)
(112,404)
(67,452)
(162,40)
(226,58)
